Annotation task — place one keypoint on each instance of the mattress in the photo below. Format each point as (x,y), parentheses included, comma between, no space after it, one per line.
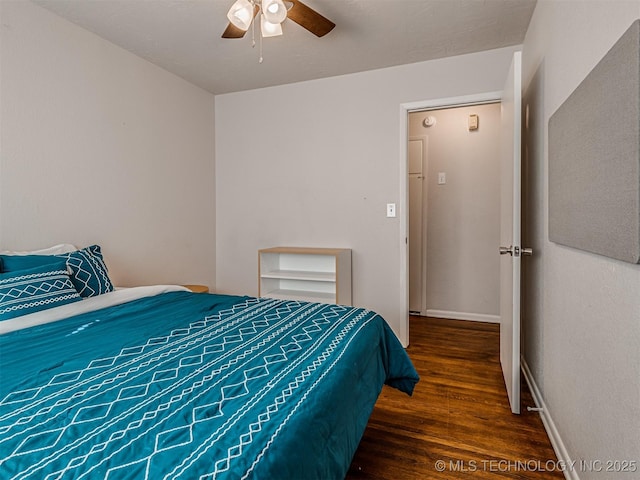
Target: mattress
(192,386)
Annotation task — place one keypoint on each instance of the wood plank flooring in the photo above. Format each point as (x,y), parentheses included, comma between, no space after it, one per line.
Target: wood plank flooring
(459,414)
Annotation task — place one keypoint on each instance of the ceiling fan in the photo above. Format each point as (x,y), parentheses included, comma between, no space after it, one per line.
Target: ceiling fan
(272,14)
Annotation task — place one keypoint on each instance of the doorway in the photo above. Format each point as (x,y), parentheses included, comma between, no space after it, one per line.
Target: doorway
(405,109)
(453,157)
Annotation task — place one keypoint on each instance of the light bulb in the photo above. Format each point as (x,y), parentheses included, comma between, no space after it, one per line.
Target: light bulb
(274,10)
(241,14)
(269,29)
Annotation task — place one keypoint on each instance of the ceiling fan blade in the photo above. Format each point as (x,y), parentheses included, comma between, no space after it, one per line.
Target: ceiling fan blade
(310,19)
(234,32)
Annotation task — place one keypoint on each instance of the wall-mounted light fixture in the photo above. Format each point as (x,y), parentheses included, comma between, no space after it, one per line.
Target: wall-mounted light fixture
(473,122)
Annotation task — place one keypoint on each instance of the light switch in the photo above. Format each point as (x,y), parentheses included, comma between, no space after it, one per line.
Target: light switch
(442,178)
(391,210)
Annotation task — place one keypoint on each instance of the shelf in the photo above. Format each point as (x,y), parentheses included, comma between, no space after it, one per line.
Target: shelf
(320,275)
(332,252)
(300,275)
(301,295)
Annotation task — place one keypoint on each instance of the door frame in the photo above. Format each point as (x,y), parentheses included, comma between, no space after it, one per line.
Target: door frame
(403,239)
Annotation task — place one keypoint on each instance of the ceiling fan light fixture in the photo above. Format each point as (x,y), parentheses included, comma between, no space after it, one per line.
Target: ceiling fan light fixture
(241,14)
(269,29)
(274,11)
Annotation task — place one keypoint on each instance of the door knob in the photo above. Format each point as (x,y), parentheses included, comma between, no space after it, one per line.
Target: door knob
(516,251)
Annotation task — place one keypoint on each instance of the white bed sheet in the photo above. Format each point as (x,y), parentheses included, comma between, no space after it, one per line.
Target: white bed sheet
(117,297)
(55,250)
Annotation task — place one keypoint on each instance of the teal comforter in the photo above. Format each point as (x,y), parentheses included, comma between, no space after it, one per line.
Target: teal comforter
(194,386)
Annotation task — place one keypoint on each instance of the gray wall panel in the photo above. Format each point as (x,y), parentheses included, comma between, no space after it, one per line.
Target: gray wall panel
(594,158)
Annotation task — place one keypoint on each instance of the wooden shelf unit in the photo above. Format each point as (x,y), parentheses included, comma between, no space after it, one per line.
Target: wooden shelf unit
(320,275)
(197,288)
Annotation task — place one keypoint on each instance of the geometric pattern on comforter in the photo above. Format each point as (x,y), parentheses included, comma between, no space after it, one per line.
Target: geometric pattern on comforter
(194,386)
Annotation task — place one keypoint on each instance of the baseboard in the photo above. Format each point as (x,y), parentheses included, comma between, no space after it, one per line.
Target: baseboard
(474,317)
(556,441)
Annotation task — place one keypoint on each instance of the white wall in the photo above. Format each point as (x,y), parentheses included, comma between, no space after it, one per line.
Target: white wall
(584,340)
(314,164)
(100,146)
(463,215)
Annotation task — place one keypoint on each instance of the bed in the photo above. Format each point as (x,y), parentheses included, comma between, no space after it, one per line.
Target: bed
(159,382)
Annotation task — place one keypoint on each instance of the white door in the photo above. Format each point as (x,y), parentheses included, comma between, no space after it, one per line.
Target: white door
(416,152)
(510,249)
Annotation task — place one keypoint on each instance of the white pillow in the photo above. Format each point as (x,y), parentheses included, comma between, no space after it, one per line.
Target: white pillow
(55,250)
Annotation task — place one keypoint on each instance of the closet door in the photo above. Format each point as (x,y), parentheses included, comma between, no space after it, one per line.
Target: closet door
(416,162)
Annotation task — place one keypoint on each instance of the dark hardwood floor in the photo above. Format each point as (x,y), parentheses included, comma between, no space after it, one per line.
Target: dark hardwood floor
(458,419)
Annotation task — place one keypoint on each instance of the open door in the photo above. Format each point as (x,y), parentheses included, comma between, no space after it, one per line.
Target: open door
(510,249)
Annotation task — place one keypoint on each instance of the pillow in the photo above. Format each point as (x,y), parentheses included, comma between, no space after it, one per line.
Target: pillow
(88,270)
(29,291)
(61,248)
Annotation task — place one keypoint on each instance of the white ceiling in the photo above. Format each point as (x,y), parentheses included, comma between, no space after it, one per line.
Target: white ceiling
(183,36)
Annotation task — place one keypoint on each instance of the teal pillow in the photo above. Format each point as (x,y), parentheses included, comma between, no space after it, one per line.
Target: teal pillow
(15,263)
(40,288)
(88,270)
